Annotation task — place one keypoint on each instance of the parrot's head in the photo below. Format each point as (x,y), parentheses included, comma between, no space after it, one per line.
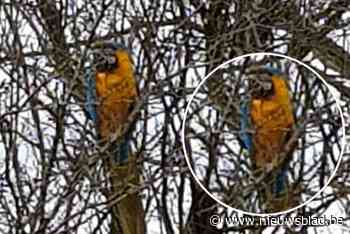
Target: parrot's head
(260,80)
(105,55)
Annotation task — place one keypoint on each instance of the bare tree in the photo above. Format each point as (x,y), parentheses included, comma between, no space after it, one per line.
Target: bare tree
(51,175)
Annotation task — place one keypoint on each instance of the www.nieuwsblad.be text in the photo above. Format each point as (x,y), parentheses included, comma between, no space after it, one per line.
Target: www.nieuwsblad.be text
(217,220)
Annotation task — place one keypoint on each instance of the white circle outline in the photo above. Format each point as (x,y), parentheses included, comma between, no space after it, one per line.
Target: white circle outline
(184,124)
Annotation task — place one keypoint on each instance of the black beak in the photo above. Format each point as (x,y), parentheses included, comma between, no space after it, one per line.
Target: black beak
(260,88)
(104,60)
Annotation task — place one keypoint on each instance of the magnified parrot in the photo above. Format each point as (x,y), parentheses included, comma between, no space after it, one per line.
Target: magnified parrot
(266,122)
(111,91)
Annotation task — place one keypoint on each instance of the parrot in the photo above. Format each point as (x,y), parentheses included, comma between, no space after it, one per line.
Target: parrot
(266,121)
(110,94)
(111,91)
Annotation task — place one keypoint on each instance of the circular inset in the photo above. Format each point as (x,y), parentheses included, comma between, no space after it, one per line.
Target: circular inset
(226,107)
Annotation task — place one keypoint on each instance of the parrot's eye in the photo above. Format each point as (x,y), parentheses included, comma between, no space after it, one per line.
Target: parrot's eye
(266,85)
(105,60)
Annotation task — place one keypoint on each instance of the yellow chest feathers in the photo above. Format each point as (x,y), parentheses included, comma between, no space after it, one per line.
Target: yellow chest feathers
(116,92)
(118,84)
(273,111)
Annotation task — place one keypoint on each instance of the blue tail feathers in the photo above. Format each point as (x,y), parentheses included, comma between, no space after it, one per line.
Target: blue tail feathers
(280,182)
(123,150)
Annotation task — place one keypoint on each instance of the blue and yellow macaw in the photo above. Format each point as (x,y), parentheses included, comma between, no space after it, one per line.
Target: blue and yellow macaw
(111,91)
(266,121)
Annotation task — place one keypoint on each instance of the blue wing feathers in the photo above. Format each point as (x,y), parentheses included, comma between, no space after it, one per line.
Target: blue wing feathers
(244,134)
(90,94)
